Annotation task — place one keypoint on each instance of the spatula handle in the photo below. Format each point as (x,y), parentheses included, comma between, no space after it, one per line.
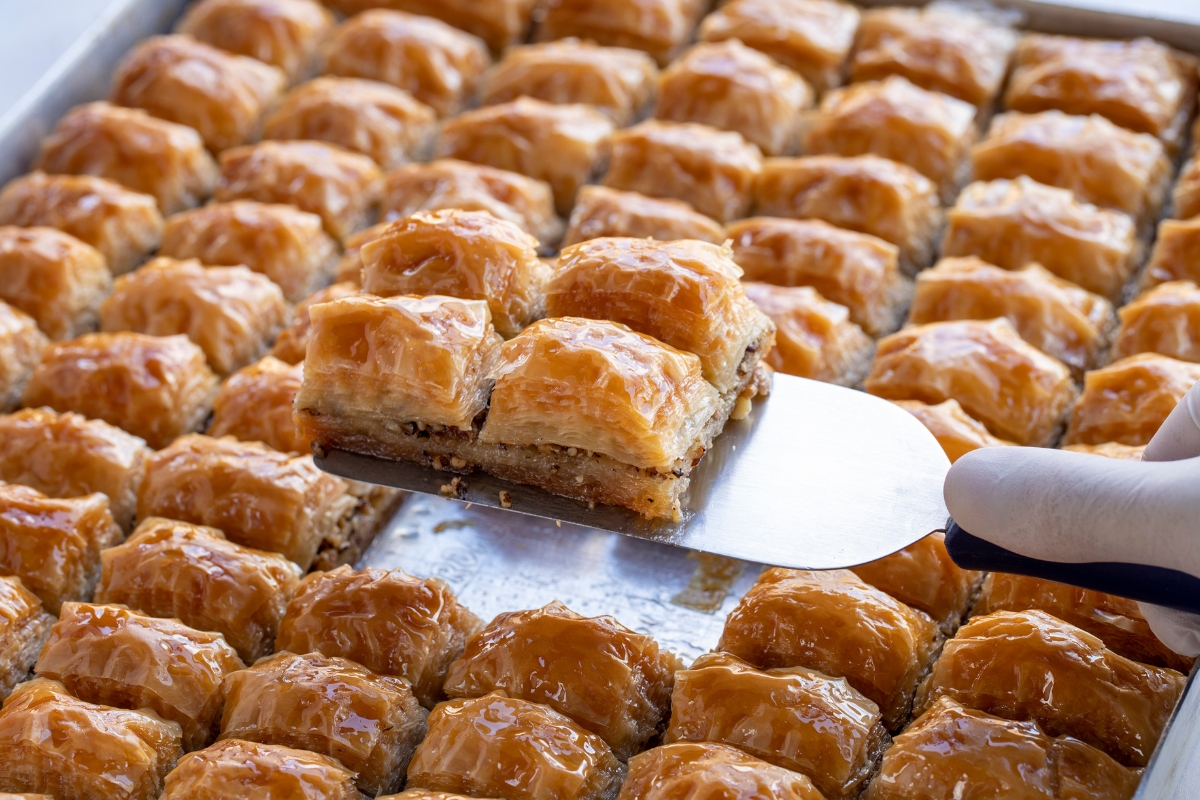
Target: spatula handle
(1158,585)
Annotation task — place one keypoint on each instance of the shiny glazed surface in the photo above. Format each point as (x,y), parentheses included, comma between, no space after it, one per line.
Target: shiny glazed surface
(1128,400)
(659,27)
(710,771)
(24,627)
(255,405)
(814,338)
(497,22)
(282,33)
(1174,257)
(603,212)
(956,431)
(54,278)
(1165,319)
(251,771)
(292,343)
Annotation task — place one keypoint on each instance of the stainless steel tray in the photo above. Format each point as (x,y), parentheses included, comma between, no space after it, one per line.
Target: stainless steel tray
(498,561)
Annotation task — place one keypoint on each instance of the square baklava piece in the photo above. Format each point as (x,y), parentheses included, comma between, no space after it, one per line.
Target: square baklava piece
(53,277)
(24,627)
(1176,253)
(658,27)
(292,343)
(603,212)
(499,23)
(1165,319)
(234,768)
(282,33)
(21,349)
(685,769)
(255,405)
(1129,399)
(955,430)
(814,338)
(1185,197)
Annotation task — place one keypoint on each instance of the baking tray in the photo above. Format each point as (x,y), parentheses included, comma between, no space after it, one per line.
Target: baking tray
(500,561)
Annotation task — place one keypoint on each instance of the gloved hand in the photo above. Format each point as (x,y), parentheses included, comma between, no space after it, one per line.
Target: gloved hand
(1062,506)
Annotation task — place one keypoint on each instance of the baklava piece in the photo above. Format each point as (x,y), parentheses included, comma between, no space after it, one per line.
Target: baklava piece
(498,22)
(867,194)
(694,769)
(53,277)
(192,573)
(367,117)
(1012,223)
(1176,253)
(929,131)
(231,313)
(155,387)
(286,244)
(814,338)
(1055,316)
(466,254)
(956,431)
(839,625)
(126,145)
(370,723)
(1165,319)
(255,405)
(117,657)
(1128,452)
(390,622)
(435,63)
(603,212)
(1129,399)
(21,349)
(712,170)
(292,343)
(731,87)
(1185,197)
(657,27)
(282,33)
(804,721)
(960,753)
(610,680)
(813,37)
(24,627)
(53,545)
(253,771)
(942,47)
(1030,666)
(1137,83)
(923,576)
(340,187)
(122,224)
(70,749)
(497,746)
(616,81)
(67,455)
(558,144)
(349,266)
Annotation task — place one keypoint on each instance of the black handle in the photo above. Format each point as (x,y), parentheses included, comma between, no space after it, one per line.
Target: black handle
(1158,585)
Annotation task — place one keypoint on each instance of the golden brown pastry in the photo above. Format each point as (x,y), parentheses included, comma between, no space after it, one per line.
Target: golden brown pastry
(251,771)
(255,405)
(292,342)
(956,752)
(390,622)
(284,243)
(24,627)
(21,348)
(1030,666)
(798,719)
(439,65)
(367,117)
(717,771)
(923,576)
(837,624)
(114,656)
(192,573)
(122,224)
(424,794)
(1011,223)
(55,278)
(1128,400)
(340,187)
(282,33)
(943,48)
(132,148)
(1185,198)
(603,212)
(370,723)
(94,752)
(155,387)
(1128,452)
(1165,319)
(712,170)
(231,313)
(616,81)
(867,194)
(503,747)
(956,431)
(658,27)
(929,131)
(180,79)
(1176,253)
(558,144)
(732,87)
(1055,316)
(498,22)
(610,680)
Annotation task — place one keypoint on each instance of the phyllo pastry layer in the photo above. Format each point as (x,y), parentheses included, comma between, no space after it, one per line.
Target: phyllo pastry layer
(21,349)
(600,211)
(390,622)
(1030,666)
(180,79)
(837,624)
(694,769)
(192,573)
(126,145)
(498,22)
(24,627)
(115,656)
(1165,319)
(54,278)
(282,33)
(286,244)
(155,387)
(122,224)
(292,343)
(610,680)
(497,746)
(255,405)
(658,27)
(956,431)
(95,752)
(804,721)
(1129,399)
(252,771)
(1176,253)
(370,723)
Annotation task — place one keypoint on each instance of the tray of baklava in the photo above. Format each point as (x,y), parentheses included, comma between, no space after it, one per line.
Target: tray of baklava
(566,244)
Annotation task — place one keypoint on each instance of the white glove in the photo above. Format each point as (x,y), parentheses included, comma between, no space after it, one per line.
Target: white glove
(1057,505)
